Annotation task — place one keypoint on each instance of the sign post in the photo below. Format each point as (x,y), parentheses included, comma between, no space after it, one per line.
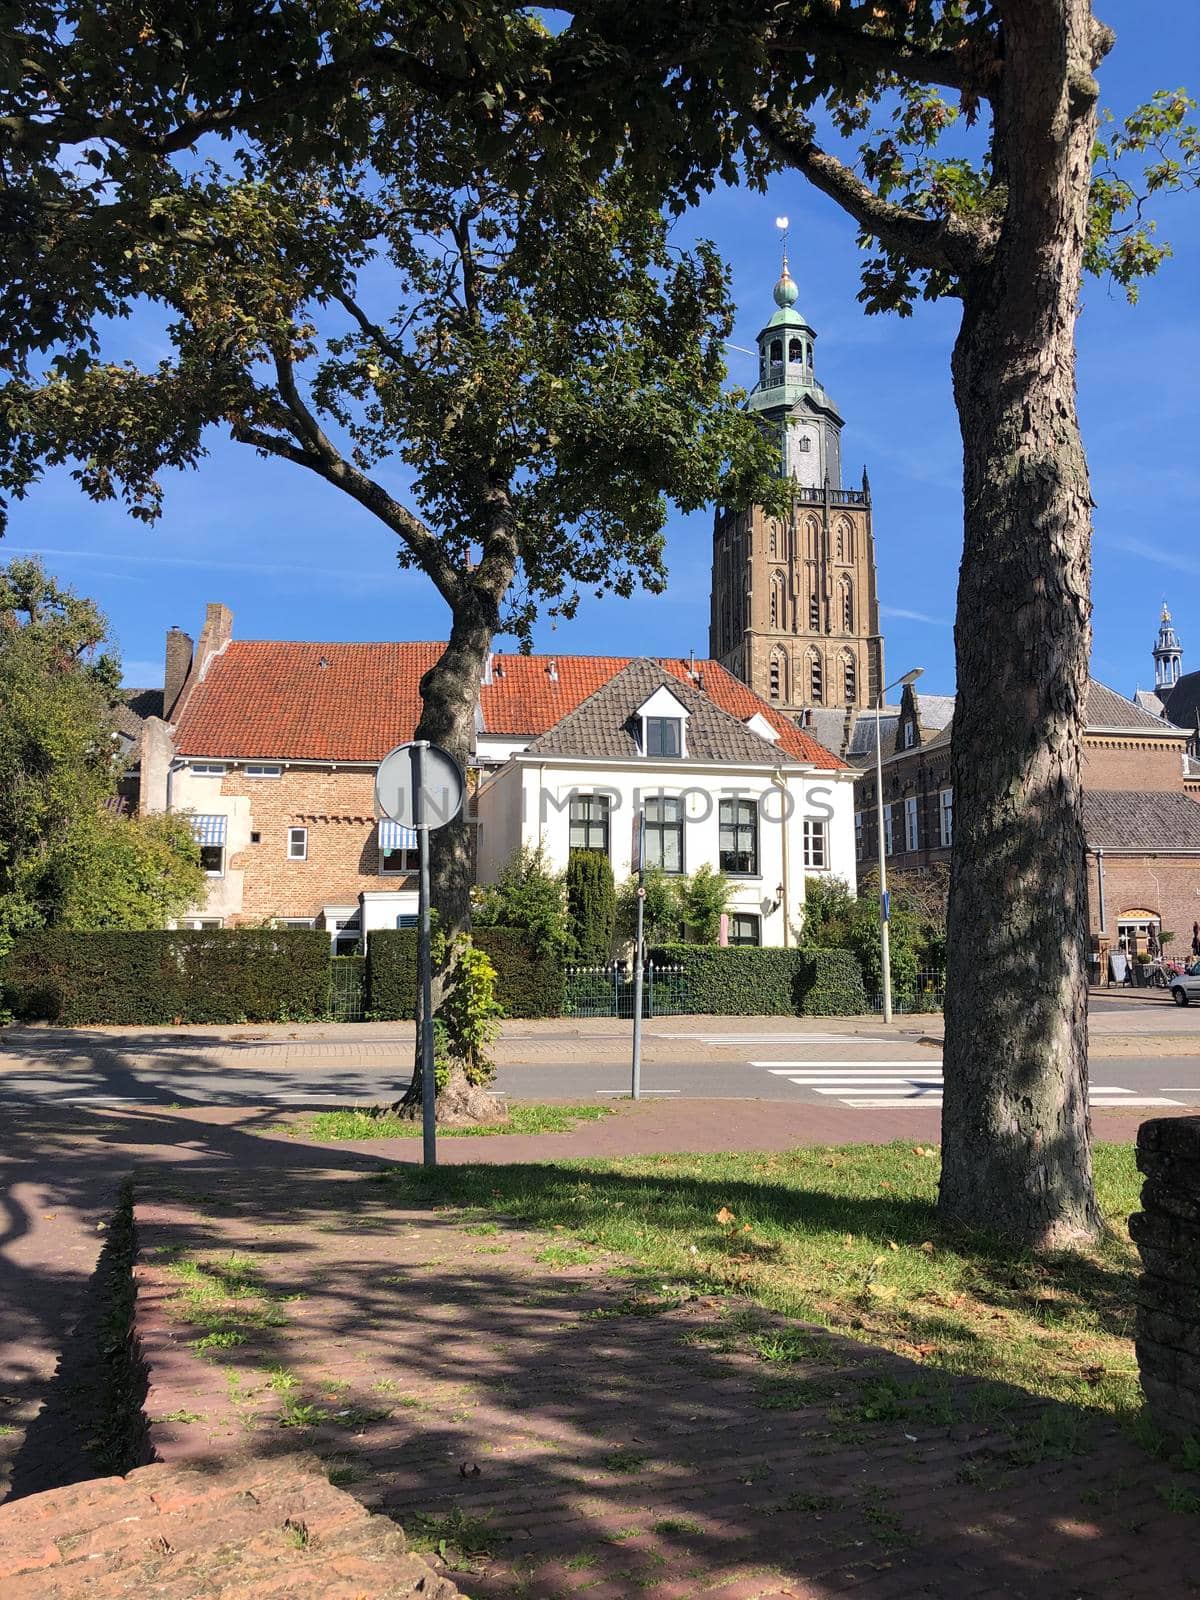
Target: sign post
(420,786)
(637,958)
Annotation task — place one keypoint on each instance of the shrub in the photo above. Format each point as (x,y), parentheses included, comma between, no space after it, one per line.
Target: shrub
(527,985)
(703,900)
(745,981)
(470,1014)
(143,978)
(527,895)
(591,906)
(662,917)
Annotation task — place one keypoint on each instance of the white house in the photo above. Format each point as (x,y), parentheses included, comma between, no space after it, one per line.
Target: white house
(714,790)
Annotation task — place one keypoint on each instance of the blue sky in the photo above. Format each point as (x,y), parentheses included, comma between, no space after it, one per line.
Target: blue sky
(295,560)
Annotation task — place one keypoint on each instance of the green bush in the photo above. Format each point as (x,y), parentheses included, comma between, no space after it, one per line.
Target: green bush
(145,978)
(744,981)
(591,906)
(527,985)
(529,896)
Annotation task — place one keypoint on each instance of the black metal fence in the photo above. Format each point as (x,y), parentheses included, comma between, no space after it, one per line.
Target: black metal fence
(608,991)
(927,992)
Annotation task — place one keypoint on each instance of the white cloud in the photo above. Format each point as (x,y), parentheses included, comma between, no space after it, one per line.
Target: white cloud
(914,616)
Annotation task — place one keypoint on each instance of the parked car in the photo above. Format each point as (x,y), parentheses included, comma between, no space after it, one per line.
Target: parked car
(1185,986)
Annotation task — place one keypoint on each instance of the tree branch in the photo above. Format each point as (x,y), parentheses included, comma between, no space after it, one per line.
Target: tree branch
(942,244)
(324,458)
(834,34)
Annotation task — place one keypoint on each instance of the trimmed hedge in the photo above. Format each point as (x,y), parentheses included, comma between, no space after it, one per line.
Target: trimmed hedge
(527,985)
(740,980)
(144,978)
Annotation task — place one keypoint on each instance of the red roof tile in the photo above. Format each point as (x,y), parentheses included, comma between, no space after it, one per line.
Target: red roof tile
(263,699)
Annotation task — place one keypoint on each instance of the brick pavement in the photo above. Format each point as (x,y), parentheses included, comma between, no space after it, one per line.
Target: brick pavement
(596,1444)
(275,1531)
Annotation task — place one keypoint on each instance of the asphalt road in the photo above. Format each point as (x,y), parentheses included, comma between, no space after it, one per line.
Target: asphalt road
(863,1071)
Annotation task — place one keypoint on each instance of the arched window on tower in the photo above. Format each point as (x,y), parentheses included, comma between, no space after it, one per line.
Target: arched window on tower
(777,675)
(816,678)
(840,544)
(814,609)
(849,678)
(847,590)
(776,352)
(795,351)
(773,541)
(812,538)
(778,607)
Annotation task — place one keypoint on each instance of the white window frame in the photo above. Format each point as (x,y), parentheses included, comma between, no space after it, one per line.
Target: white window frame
(912,823)
(297,922)
(200,924)
(946,817)
(859,835)
(746,916)
(816,844)
(208,769)
(302,854)
(411,858)
(262,769)
(889,835)
(910,735)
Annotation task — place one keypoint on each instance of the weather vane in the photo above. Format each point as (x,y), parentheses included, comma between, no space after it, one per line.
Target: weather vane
(782,224)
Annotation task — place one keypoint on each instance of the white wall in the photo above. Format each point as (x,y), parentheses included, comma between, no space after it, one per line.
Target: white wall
(190,792)
(527,802)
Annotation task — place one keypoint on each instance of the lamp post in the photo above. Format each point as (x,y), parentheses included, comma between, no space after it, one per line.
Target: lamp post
(885,953)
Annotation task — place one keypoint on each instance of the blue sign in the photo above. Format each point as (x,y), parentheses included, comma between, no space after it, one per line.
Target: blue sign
(885,905)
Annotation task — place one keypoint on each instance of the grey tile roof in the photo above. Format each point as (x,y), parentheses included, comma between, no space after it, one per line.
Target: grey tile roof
(935,710)
(862,739)
(1183,702)
(1120,819)
(828,727)
(134,706)
(1149,701)
(606,725)
(1108,709)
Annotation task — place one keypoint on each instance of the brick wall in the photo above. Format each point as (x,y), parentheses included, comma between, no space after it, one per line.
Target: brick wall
(338,809)
(1169,886)
(1142,764)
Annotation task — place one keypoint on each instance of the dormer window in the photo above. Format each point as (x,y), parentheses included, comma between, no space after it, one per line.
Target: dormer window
(664,736)
(909,735)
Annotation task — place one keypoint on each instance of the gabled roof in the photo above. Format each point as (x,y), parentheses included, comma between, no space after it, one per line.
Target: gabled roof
(1121,819)
(132,709)
(934,710)
(265,699)
(606,725)
(1183,702)
(1106,709)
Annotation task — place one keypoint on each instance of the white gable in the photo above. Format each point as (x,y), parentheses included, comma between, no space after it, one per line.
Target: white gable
(662,703)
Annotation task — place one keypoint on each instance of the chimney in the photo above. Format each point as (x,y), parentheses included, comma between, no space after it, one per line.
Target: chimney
(214,636)
(157,754)
(178,665)
(552,670)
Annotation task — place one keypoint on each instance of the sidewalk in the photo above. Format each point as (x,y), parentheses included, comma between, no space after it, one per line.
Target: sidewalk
(557,1436)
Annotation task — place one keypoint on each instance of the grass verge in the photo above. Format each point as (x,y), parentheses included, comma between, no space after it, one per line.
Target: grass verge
(848,1238)
(358,1124)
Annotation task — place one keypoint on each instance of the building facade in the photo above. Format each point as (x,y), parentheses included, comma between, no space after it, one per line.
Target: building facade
(271,748)
(794,608)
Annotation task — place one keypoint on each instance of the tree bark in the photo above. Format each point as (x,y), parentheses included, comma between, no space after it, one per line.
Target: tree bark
(1016,1130)
(449,695)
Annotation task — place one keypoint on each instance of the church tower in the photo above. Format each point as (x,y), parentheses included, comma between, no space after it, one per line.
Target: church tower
(1168,656)
(795,612)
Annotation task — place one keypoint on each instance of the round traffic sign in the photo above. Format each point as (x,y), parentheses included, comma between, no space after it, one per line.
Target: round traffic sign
(419,784)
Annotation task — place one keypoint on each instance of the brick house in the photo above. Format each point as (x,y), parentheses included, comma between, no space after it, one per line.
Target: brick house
(1141,819)
(272,747)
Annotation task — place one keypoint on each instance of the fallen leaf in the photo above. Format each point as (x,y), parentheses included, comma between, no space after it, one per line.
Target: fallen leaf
(848,1240)
(1094,1375)
(927,1246)
(886,1185)
(724,1216)
(892,1245)
(746,1227)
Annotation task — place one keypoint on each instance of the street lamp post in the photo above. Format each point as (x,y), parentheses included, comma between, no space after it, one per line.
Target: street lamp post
(885,953)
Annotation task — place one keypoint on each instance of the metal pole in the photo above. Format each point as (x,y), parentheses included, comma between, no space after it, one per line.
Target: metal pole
(885,954)
(428,1080)
(637,959)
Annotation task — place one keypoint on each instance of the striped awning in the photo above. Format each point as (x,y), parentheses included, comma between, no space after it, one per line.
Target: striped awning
(208,830)
(393,837)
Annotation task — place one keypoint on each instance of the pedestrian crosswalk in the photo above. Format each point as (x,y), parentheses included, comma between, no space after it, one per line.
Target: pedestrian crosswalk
(893,1085)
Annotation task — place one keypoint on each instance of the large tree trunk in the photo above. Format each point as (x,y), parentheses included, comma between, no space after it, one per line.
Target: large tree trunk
(1016,1131)
(449,695)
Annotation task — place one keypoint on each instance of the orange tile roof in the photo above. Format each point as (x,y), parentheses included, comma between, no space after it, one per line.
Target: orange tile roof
(264,699)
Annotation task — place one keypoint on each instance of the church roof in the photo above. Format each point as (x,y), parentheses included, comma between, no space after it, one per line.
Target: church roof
(1183,702)
(1106,709)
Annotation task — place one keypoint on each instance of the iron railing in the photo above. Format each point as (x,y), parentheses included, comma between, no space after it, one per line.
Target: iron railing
(912,996)
(347,988)
(608,991)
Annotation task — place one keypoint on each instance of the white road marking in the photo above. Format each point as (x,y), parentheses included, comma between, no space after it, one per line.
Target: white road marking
(642,1092)
(784,1067)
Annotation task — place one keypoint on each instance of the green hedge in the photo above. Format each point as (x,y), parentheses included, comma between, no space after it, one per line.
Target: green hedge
(526,985)
(741,980)
(205,975)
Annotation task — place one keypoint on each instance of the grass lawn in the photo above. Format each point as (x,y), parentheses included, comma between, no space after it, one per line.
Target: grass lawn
(845,1237)
(521,1119)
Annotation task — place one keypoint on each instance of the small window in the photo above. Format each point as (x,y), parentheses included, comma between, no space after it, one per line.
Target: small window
(212,859)
(889,838)
(256,838)
(745,928)
(260,769)
(850,680)
(804,444)
(912,825)
(664,833)
(738,837)
(201,924)
(814,611)
(947,818)
(663,736)
(347,935)
(208,769)
(395,862)
(817,678)
(910,734)
(407,919)
(816,843)
(297,844)
(589,822)
(297,922)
